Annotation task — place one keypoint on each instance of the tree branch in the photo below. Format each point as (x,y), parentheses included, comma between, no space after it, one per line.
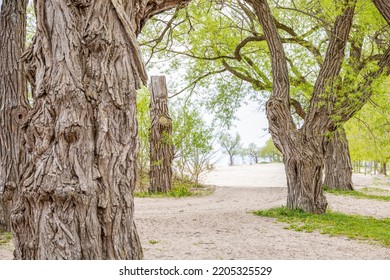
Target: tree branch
(326,81)
(256,83)
(197,80)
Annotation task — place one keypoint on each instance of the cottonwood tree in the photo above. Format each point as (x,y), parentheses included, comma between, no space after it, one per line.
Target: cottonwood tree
(270,151)
(253,152)
(76,199)
(236,52)
(304,149)
(231,145)
(13,102)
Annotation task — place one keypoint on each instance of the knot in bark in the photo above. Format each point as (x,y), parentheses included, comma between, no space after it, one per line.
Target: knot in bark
(81,3)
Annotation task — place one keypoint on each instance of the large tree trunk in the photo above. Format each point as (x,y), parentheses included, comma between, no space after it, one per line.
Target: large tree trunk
(338,166)
(77,189)
(303,149)
(304,180)
(161,148)
(13,102)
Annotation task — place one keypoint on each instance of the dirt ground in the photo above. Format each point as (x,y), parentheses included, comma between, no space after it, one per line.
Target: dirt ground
(220,226)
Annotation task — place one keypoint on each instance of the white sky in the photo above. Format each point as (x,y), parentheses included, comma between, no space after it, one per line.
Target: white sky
(252,125)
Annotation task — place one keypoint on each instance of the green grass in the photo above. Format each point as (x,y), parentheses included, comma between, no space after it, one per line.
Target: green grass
(333,223)
(5,237)
(154,242)
(179,189)
(357,194)
(374,189)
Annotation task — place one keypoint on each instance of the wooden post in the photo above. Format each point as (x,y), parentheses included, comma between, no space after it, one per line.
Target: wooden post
(161,148)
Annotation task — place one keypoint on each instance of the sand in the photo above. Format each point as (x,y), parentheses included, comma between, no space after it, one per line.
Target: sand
(220,226)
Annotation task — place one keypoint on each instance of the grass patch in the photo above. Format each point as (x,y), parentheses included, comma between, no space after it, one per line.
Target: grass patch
(154,242)
(5,237)
(373,189)
(333,223)
(357,194)
(179,189)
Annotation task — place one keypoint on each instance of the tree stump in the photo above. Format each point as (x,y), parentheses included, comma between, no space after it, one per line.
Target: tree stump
(161,148)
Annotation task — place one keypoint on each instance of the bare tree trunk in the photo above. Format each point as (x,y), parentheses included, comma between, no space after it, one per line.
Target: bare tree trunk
(13,102)
(231,160)
(383,170)
(161,148)
(338,166)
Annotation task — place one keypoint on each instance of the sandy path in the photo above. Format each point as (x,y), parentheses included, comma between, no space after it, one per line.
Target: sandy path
(219,226)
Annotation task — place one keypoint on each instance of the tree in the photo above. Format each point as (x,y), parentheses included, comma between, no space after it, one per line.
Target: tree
(338,165)
(144,125)
(254,152)
(161,148)
(193,142)
(77,187)
(368,131)
(304,149)
(231,145)
(13,103)
(236,52)
(270,151)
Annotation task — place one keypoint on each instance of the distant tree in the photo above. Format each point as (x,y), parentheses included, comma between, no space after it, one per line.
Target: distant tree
(270,152)
(253,152)
(369,131)
(193,142)
(144,124)
(231,145)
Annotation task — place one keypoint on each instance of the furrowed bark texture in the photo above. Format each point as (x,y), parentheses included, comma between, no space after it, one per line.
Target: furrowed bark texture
(304,149)
(338,165)
(161,149)
(13,102)
(77,198)
(384,8)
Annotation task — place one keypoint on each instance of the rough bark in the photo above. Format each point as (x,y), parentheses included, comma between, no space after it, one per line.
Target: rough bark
(303,149)
(161,148)
(383,169)
(77,190)
(384,8)
(13,102)
(338,166)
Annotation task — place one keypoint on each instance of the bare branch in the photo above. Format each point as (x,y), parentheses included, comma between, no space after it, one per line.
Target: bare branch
(197,80)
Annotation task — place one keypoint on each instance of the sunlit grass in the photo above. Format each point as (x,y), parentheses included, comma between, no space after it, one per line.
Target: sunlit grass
(358,194)
(333,223)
